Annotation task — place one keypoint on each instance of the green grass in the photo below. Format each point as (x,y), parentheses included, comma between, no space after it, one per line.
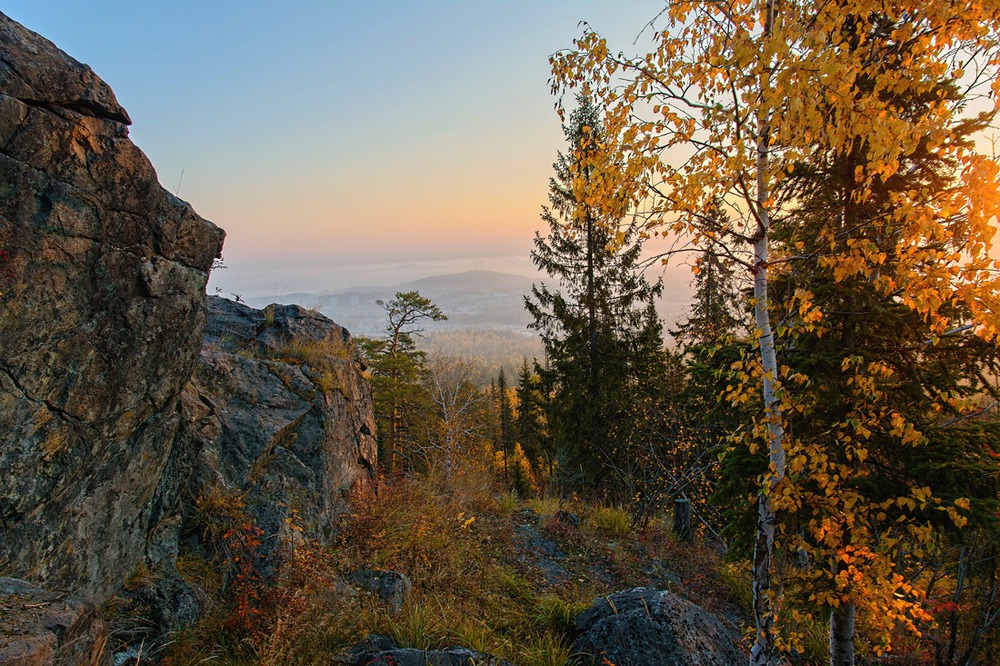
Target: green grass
(416,627)
(547,649)
(508,502)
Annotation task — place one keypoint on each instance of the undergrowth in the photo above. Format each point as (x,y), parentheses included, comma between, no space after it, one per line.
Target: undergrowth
(474,583)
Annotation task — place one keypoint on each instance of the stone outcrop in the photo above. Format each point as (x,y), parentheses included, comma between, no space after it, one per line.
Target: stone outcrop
(646,626)
(377,650)
(277,425)
(280,412)
(102,275)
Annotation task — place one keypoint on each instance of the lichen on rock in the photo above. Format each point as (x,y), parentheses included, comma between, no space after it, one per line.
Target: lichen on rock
(101,317)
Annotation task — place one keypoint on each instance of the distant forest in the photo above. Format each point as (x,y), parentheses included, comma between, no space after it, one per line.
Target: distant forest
(489,349)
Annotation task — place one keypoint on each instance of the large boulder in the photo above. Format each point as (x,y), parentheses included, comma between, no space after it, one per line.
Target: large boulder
(645,626)
(102,309)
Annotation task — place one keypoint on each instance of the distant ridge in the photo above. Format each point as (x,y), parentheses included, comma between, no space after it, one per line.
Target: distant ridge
(477,299)
(486,281)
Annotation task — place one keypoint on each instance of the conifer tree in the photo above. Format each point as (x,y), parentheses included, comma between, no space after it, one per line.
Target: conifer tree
(591,321)
(927,383)
(530,421)
(398,369)
(505,423)
(715,312)
(751,89)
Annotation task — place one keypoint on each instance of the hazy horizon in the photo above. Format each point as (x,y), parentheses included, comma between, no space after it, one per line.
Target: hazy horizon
(342,143)
(322,277)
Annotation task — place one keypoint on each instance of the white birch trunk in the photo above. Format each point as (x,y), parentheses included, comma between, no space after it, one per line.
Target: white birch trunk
(763,650)
(842,635)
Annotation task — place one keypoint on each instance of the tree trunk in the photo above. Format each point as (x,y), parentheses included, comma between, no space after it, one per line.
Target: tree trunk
(682,519)
(391,448)
(591,306)
(842,635)
(394,414)
(763,650)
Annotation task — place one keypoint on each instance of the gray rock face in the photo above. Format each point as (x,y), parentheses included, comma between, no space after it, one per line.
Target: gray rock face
(39,628)
(278,414)
(542,552)
(102,309)
(392,587)
(280,411)
(644,626)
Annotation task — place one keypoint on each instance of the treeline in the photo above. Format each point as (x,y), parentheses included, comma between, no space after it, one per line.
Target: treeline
(491,349)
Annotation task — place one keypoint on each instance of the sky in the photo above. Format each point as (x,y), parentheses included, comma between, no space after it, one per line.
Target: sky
(343,143)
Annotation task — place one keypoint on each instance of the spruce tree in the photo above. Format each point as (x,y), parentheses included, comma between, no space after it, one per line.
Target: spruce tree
(591,320)
(530,422)
(927,384)
(715,312)
(506,425)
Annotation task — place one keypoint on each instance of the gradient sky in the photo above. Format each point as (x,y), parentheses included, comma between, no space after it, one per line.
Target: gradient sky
(341,143)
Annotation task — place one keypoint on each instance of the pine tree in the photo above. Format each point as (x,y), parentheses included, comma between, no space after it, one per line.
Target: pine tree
(398,369)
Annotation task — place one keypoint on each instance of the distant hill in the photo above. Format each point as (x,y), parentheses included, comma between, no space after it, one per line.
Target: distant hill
(487,301)
(471,300)
(484,281)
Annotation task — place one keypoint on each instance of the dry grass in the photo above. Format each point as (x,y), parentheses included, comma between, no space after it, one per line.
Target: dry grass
(471,584)
(320,354)
(610,522)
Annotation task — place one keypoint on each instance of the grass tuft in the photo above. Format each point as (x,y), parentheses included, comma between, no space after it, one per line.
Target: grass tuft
(547,649)
(508,502)
(611,522)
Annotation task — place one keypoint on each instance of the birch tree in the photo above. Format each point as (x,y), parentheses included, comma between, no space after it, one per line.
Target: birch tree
(731,97)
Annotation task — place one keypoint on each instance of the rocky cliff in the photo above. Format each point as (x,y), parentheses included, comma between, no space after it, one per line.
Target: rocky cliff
(276,426)
(278,413)
(101,318)
(115,420)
